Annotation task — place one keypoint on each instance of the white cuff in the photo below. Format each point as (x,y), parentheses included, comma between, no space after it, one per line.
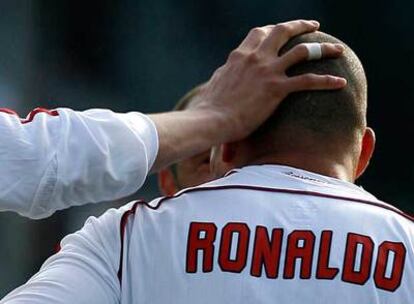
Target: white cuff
(146,130)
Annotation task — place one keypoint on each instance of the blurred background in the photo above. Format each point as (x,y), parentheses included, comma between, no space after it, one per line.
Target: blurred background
(143,55)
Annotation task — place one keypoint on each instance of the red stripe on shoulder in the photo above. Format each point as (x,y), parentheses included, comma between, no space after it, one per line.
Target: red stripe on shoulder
(123,223)
(31,115)
(290,191)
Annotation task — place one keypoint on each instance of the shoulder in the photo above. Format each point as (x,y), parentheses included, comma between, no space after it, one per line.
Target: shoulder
(100,230)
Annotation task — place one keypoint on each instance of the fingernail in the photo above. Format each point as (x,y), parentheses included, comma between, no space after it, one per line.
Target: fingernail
(341,81)
(340,47)
(315,23)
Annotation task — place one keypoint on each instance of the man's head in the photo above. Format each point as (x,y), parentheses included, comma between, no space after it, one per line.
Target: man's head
(189,172)
(322,131)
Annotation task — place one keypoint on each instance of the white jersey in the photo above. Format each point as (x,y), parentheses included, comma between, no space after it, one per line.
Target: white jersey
(60,158)
(263,234)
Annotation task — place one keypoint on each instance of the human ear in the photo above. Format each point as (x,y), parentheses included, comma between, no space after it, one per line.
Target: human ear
(228,152)
(367,149)
(166,182)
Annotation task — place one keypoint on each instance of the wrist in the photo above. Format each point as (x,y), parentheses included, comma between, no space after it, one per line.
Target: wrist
(216,124)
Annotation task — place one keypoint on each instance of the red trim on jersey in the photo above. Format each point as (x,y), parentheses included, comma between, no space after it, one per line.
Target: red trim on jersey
(289,191)
(123,223)
(57,248)
(36,111)
(8,111)
(31,115)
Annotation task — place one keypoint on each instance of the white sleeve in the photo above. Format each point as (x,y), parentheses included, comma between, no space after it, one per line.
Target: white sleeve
(56,159)
(85,270)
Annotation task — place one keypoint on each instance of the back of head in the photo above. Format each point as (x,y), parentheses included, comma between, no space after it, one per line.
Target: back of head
(325,120)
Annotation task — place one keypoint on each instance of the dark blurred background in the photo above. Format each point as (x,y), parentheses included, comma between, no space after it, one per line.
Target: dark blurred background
(143,55)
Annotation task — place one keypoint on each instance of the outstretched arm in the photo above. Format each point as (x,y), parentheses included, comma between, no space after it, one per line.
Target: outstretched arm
(56,159)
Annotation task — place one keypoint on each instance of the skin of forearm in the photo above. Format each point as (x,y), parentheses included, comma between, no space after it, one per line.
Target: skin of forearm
(183,134)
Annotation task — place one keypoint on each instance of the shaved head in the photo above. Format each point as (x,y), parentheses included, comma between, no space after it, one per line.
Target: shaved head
(332,120)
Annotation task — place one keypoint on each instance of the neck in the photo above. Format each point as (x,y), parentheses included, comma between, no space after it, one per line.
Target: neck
(317,164)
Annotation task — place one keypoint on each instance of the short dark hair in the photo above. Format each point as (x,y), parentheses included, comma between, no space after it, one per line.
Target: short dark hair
(184,101)
(325,115)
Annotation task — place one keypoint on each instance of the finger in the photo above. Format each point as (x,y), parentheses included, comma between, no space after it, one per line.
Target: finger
(255,37)
(283,32)
(309,82)
(300,53)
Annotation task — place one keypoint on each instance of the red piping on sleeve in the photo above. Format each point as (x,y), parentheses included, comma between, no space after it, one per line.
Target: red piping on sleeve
(31,115)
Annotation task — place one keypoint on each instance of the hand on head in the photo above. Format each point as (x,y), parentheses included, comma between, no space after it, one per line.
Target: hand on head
(243,93)
(247,89)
